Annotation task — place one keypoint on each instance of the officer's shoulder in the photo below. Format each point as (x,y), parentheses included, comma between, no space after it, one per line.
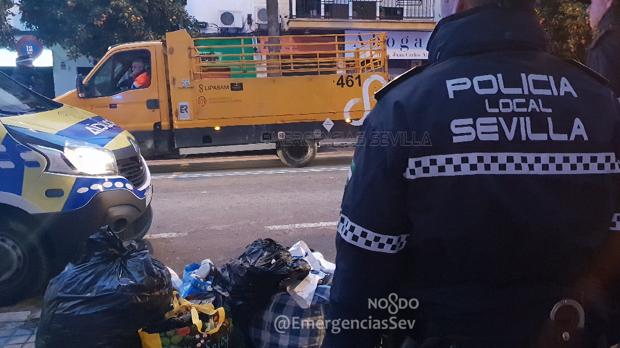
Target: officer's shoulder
(595,75)
(608,38)
(400,79)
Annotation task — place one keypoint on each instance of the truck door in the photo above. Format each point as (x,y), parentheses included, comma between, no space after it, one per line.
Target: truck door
(124,89)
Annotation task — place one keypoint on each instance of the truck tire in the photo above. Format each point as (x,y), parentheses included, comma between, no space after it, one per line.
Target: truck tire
(297,154)
(24,264)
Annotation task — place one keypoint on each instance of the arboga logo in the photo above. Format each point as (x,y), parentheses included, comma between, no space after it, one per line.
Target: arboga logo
(100,127)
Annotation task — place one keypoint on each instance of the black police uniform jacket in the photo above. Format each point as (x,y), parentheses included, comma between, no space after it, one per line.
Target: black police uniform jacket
(483,183)
(604,52)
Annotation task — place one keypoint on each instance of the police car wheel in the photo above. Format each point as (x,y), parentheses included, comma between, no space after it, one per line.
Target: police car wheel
(24,267)
(297,154)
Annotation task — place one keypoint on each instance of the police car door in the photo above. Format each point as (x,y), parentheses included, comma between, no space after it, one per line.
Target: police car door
(112,93)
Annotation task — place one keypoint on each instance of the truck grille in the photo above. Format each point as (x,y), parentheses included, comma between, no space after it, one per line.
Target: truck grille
(132,169)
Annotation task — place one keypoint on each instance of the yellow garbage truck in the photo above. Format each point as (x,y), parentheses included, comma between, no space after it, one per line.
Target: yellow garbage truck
(189,95)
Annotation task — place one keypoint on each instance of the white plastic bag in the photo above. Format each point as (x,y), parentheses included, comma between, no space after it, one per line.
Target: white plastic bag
(176,281)
(303,292)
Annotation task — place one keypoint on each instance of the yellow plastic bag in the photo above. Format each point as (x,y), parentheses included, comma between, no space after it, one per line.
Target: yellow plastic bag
(198,333)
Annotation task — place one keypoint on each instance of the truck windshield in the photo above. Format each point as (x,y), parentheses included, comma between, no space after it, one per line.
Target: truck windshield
(16,99)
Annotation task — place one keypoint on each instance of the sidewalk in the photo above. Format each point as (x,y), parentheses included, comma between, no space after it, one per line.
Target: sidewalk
(18,329)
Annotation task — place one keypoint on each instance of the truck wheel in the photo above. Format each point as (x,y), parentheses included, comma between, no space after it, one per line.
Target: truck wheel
(297,154)
(24,266)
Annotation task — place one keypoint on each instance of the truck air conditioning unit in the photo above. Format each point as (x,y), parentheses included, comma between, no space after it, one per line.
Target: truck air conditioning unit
(261,15)
(230,19)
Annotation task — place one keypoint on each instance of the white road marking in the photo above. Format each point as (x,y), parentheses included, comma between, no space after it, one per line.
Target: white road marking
(251,172)
(166,235)
(298,226)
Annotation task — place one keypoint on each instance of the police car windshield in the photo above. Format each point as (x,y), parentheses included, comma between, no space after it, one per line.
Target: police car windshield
(16,99)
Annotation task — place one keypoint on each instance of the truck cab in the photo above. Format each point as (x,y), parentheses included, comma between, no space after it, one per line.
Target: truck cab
(64,173)
(109,90)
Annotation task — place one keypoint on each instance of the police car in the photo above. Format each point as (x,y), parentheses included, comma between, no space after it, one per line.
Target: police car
(64,172)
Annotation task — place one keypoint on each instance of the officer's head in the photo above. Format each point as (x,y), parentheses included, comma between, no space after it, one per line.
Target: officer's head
(24,61)
(598,8)
(450,7)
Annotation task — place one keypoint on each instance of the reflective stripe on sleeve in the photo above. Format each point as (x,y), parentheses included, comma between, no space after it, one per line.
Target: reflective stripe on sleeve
(366,239)
(615,223)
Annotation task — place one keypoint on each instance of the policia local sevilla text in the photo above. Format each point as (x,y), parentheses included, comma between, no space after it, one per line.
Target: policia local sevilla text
(522,128)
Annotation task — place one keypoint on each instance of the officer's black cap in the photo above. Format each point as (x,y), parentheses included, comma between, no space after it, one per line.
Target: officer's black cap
(24,59)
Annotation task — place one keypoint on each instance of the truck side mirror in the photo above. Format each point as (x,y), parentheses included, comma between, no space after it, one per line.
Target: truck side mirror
(79,86)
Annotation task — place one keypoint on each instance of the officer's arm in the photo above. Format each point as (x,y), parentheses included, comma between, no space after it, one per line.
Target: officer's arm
(373,224)
(604,60)
(601,285)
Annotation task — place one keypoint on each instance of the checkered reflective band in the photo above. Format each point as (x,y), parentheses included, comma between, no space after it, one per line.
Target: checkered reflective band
(615,223)
(366,239)
(512,163)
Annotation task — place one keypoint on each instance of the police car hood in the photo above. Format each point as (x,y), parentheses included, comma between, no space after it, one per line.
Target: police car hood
(56,127)
(485,29)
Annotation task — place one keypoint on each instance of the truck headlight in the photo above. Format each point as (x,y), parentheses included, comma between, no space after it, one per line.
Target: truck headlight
(79,159)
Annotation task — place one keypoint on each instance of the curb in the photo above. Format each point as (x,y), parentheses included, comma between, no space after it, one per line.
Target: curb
(238,162)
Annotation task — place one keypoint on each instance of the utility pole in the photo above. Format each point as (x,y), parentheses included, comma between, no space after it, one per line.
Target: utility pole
(273,18)
(273,29)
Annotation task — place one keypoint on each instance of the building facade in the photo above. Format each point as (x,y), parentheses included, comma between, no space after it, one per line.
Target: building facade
(408,24)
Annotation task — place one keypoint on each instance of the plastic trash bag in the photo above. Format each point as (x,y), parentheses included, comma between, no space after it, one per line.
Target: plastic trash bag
(176,281)
(260,271)
(197,281)
(105,298)
(264,269)
(189,325)
(321,273)
(315,259)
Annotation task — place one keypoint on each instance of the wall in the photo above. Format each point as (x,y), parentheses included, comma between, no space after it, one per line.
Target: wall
(66,70)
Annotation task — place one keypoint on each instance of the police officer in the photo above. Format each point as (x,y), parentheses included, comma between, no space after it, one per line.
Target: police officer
(484,186)
(604,52)
(26,74)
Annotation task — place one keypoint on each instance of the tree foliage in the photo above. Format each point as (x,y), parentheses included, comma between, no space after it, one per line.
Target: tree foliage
(6,31)
(566,23)
(89,27)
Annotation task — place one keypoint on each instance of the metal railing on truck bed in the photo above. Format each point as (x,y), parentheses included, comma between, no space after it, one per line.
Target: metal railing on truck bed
(291,55)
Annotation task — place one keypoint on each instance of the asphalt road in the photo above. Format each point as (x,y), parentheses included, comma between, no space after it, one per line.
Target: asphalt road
(213,207)
(215,214)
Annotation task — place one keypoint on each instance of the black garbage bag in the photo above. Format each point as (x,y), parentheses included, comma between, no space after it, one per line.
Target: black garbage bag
(250,281)
(105,298)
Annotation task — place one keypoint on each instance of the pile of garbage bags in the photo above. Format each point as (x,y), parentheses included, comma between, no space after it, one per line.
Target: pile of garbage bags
(264,282)
(117,295)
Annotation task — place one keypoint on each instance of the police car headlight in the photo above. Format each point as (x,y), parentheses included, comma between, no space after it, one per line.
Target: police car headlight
(91,160)
(79,159)
(56,160)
